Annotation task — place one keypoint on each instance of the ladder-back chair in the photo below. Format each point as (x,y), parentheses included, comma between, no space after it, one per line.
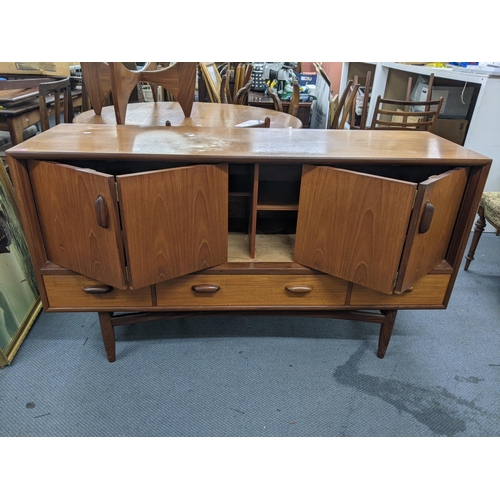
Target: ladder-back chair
(55,96)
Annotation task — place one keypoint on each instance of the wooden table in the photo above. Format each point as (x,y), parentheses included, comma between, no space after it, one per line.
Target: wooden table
(16,118)
(203,114)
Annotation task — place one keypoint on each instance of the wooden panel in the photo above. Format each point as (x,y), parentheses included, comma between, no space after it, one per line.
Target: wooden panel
(264,291)
(352,225)
(66,203)
(426,247)
(175,221)
(428,291)
(67,291)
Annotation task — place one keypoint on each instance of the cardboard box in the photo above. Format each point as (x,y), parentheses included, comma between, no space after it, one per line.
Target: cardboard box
(36,68)
(306,79)
(452,129)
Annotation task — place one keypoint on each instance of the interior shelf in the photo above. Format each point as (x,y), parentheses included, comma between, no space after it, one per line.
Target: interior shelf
(268,248)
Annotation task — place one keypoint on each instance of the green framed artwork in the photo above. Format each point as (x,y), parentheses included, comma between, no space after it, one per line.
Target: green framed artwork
(19,297)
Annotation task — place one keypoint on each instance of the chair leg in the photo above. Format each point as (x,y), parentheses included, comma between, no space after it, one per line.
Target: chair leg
(478,231)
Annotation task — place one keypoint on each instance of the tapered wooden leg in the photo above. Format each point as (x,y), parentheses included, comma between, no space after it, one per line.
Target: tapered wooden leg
(386,331)
(108,335)
(478,231)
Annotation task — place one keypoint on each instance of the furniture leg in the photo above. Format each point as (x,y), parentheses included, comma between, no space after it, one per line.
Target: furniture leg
(108,335)
(15,126)
(386,331)
(478,231)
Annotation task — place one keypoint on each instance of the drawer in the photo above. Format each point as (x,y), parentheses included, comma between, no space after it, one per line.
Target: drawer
(251,290)
(428,291)
(68,291)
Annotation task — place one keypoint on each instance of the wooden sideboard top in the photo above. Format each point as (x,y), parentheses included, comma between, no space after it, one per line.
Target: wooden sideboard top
(204,144)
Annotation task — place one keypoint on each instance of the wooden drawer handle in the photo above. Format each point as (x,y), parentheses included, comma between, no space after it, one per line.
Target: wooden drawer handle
(101,212)
(299,288)
(425,221)
(97,289)
(205,288)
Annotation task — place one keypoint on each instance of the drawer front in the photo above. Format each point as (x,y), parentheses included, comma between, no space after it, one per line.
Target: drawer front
(68,291)
(251,290)
(428,291)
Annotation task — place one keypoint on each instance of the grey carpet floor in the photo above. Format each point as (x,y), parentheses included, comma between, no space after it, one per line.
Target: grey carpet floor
(252,376)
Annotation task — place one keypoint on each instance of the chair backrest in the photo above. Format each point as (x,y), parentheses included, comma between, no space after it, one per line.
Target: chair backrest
(225,91)
(274,97)
(293,109)
(56,95)
(242,94)
(101,79)
(364,104)
(405,115)
(344,105)
(242,75)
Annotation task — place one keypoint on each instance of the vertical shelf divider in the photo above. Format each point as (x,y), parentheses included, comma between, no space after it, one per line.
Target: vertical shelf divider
(252,226)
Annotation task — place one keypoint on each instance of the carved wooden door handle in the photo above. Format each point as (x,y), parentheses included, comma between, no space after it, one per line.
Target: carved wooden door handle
(205,288)
(97,289)
(101,212)
(299,288)
(426,219)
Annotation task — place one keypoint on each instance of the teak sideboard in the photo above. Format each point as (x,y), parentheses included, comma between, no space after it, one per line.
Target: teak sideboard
(165,222)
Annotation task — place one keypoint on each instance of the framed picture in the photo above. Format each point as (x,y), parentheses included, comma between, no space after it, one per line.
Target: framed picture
(19,297)
(212,79)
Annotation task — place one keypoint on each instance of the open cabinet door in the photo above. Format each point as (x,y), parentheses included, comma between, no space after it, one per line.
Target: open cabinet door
(436,208)
(353,225)
(78,214)
(174,221)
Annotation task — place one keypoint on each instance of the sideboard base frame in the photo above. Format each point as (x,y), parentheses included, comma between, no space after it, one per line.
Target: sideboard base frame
(108,321)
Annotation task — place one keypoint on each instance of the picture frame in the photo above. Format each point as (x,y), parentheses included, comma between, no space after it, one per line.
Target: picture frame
(212,79)
(20,301)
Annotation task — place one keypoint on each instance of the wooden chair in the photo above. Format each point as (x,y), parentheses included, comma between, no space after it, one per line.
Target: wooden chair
(60,92)
(399,116)
(344,106)
(278,106)
(101,79)
(241,96)
(225,91)
(364,105)
(242,75)
(293,108)
(489,210)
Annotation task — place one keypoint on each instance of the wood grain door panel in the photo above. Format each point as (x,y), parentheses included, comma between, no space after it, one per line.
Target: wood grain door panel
(352,225)
(78,215)
(175,221)
(435,212)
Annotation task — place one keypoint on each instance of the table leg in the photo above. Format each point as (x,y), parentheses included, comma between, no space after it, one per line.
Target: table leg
(15,125)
